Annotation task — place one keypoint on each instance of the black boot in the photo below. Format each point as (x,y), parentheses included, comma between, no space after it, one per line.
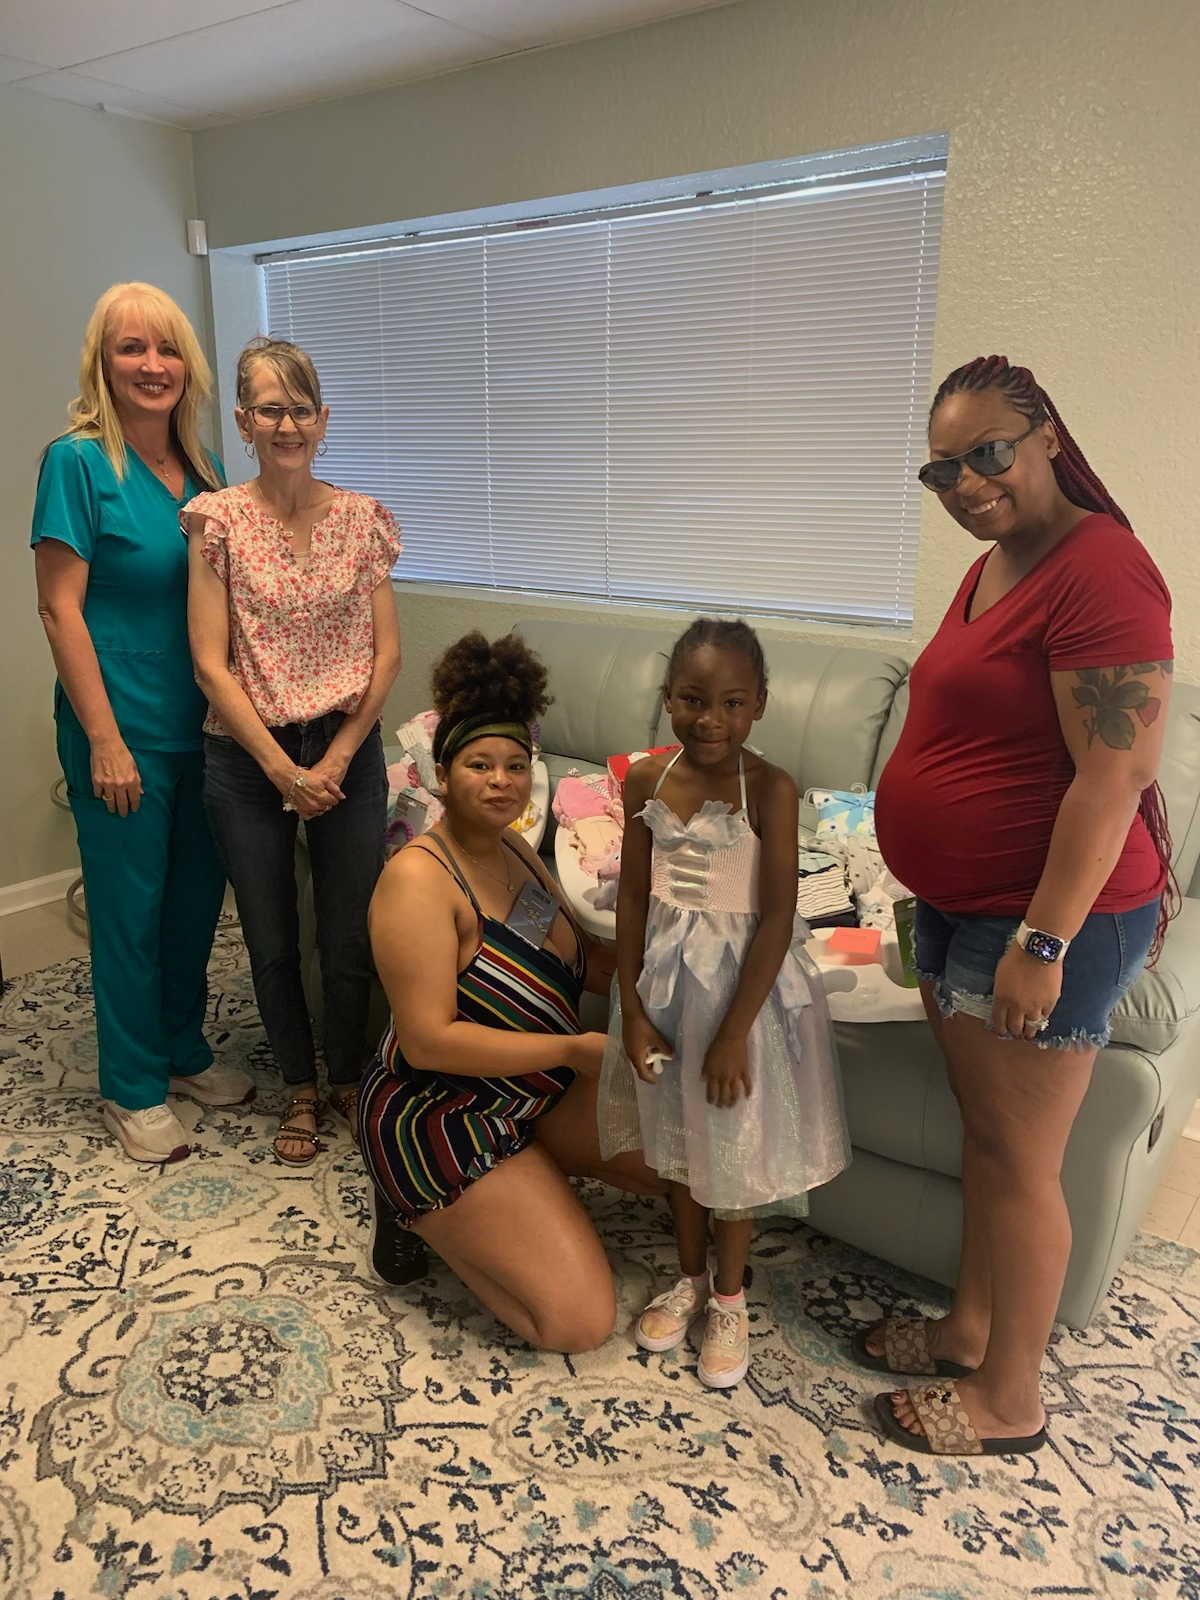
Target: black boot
(397,1255)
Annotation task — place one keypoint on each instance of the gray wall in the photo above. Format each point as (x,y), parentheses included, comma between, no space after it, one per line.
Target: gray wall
(1072,226)
(86,200)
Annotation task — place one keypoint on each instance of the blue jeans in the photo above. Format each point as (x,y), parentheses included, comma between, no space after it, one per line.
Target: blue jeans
(256,839)
(958,952)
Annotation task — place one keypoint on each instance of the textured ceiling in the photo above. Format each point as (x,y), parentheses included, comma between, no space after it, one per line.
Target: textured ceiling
(196,63)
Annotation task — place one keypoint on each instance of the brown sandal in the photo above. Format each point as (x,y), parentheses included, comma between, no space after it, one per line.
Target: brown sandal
(947,1429)
(343,1102)
(299,1105)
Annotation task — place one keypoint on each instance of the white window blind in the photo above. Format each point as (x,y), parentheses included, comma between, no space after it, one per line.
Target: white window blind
(715,406)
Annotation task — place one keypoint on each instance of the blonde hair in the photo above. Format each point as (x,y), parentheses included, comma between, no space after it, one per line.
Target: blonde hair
(92,413)
(291,365)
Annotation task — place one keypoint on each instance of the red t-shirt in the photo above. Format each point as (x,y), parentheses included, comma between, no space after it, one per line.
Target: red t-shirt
(966,805)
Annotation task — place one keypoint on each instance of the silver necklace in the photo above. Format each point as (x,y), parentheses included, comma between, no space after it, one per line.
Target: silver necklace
(288,533)
(507,882)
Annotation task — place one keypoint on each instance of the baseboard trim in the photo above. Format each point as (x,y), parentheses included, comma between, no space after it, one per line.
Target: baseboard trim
(36,891)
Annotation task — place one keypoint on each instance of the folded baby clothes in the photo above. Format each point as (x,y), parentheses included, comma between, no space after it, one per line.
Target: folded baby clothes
(577,798)
(596,839)
(821,887)
(843,812)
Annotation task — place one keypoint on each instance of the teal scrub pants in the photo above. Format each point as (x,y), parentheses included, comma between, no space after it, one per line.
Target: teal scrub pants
(154,888)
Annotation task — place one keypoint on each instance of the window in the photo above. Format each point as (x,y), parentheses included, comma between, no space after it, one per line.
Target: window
(715,403)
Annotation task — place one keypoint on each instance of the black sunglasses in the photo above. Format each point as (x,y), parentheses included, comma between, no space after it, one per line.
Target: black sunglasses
(988,460)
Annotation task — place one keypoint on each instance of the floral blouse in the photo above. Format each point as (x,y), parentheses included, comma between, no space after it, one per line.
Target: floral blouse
(300,634)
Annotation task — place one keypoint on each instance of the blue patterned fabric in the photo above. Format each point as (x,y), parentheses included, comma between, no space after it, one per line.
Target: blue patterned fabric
(204,1396)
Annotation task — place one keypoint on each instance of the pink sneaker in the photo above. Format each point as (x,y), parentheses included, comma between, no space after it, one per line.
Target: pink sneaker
(667,1318)
(154,1134)
(725,1353)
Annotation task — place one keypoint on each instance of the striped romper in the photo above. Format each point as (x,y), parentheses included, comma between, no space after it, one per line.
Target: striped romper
(426,1136)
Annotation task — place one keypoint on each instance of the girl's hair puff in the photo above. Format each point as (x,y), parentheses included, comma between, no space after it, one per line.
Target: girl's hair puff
(92,413)
(723,633)
(500,677)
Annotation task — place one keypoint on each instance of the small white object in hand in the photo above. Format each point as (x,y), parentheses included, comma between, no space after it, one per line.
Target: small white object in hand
(655,1059)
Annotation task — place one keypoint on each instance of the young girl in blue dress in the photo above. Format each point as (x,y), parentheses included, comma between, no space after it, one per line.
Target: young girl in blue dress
(720,1062)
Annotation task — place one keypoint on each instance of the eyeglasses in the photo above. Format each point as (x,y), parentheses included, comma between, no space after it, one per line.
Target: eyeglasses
(272,416)
(988,460)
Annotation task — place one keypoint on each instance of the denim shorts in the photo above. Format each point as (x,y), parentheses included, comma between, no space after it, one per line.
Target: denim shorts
(958,952)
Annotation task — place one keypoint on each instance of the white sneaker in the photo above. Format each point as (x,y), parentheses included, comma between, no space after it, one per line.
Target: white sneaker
(667,1318)
(725,1353)
(154,1134)
(215,1086)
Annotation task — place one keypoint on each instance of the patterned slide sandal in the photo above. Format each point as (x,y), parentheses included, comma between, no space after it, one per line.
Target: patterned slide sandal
(948,1430)
(905,1350)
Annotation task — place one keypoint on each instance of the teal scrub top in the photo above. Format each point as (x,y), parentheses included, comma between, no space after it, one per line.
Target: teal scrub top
(136,601)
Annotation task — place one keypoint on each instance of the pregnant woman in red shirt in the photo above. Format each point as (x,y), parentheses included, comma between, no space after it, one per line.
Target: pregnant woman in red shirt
(1022,809)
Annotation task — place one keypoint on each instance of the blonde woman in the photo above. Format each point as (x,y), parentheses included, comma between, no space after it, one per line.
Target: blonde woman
(296,643)
(112,593)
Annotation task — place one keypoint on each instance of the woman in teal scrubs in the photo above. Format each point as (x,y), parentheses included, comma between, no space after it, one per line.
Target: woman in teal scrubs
(112,593)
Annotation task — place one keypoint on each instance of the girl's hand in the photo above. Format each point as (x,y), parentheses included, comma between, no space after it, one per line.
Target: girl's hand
(640,1037)
(115,778)
(726,1071)
(1025,989)
(585,1054)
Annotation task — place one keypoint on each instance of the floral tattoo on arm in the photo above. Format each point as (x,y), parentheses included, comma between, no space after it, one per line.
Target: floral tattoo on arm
(1110,695)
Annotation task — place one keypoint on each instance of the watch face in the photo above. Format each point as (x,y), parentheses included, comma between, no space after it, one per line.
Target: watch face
(1044,946)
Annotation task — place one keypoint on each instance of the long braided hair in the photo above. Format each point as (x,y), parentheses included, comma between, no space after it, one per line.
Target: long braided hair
(1082,488)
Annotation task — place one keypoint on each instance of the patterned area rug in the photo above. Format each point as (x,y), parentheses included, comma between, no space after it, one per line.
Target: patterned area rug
(203,1396)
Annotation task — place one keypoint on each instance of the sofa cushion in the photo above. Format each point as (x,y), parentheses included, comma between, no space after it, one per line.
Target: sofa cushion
(826,709)
(606,683)
(1179,779)
(1166,997)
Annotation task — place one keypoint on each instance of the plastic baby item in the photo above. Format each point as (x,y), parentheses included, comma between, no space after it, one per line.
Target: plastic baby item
(854,947)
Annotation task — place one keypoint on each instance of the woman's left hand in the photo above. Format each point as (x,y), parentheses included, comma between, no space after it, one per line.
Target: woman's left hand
(1025,991)
(325,781)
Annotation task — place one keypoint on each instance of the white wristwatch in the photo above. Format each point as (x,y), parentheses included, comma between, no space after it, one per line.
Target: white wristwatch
(1046,947)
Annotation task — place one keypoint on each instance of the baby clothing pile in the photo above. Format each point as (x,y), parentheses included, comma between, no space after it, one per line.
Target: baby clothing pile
(822,897)
(845,843)
(592,815)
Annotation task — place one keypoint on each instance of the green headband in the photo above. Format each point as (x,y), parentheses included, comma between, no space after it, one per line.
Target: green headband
(451,741)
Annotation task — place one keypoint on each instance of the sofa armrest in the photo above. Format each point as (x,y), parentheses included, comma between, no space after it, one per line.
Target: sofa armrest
(1166,997)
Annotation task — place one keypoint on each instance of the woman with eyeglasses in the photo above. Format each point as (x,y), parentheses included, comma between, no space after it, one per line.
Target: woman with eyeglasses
(112,593)
(296,643)
(1021,807)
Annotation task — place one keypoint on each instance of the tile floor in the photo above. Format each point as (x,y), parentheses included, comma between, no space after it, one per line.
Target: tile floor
(49,934)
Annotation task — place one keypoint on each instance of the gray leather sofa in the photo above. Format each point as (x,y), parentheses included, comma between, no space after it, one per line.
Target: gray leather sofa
(832,719)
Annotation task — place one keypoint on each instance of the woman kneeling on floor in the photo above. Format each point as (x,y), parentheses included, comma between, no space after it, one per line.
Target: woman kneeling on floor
(484,1091)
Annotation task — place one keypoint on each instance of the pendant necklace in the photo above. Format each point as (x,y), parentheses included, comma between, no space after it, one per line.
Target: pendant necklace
(507,882)
(288,533)
(160,465)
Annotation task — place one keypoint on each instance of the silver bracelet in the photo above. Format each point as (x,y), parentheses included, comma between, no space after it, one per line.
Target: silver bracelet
(298,782)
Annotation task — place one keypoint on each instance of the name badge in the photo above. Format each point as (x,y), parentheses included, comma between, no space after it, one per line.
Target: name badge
(533,914)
